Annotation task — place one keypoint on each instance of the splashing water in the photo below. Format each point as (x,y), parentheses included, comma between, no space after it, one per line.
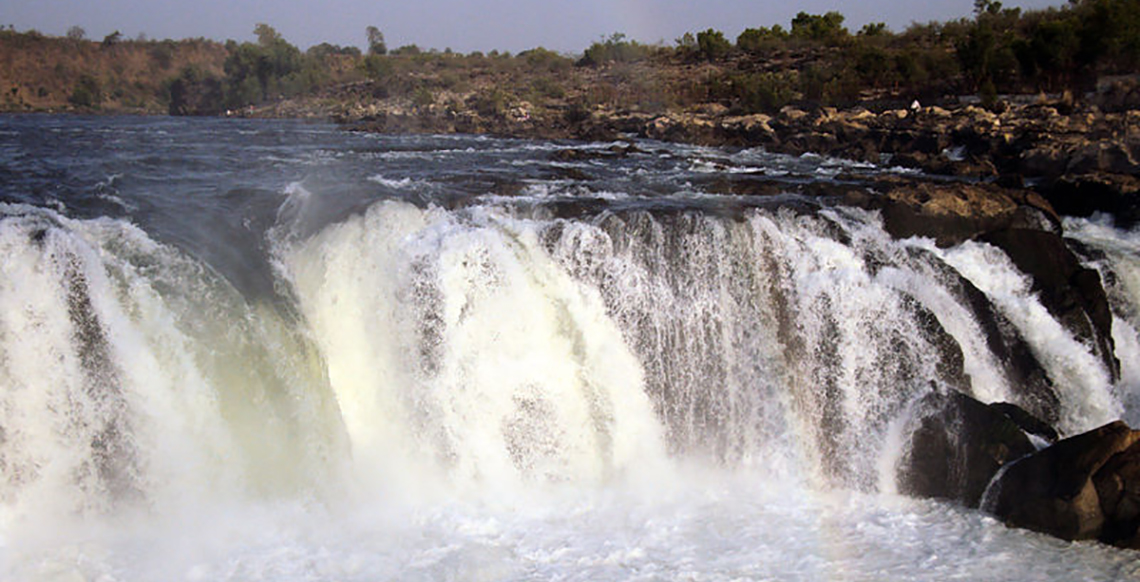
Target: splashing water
(491,391)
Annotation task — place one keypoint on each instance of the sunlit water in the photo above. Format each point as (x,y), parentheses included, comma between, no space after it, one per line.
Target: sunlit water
(237,350)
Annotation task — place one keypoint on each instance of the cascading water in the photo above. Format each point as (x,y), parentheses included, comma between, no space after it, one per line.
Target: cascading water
(548,384)
(134,375)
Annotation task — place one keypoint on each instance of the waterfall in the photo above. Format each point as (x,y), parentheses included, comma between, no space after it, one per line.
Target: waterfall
(496,347)
(134,376)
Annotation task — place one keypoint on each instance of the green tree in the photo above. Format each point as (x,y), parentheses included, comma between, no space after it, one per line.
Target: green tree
(755,40)
(1050,52)
(826,28)
(712,45)
(257,72)
(1110,34)
(376,45)
(87,93)
(874,29)
(614,49)
(112,39)
(376,67)
(985,53)
(193,92)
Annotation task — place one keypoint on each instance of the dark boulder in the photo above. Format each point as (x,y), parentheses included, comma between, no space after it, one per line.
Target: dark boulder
(957,448)
(1025,421)
(1058,490)
(1071,292)
(1033,388)
(1118,487)
(1083,195)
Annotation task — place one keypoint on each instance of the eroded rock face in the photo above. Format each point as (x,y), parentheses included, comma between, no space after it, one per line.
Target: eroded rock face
(1024,226)
(1071,292)
(958,446)
(1084,487)
(1118,488)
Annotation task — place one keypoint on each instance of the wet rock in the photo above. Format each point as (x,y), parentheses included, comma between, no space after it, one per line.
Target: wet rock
(1119,93)
(958,447)
(1025,421)
(1117,195)
(1113,157)
(1033,389)
(1055,490)
(748,128)
(1118,488)
(948,213)
(1071,292)
(792,114)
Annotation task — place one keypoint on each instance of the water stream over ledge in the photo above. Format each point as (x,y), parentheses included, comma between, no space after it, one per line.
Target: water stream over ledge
(238,350)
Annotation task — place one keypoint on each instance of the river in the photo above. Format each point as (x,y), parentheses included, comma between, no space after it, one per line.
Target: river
(276,350)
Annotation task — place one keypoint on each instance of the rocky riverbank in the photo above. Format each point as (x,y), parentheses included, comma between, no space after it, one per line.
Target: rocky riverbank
(1081,158)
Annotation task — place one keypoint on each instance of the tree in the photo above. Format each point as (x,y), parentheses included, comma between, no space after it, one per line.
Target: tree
(267,36)
(712,45)
(754,40)
(193,92)
(687,42)
(614,49)
(1049,54)
(376,44)
(112,39)
(874,29)
(76,33)
(985,53)
(255,72)
(88,93)
(826,28)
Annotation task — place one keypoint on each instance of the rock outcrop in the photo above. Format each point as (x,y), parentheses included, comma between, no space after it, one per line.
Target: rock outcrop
(958,445)
(1071,292)
(1082,488)
(1085,487)
(1020,223)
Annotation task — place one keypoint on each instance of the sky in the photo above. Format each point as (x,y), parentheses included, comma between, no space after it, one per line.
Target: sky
(567,26)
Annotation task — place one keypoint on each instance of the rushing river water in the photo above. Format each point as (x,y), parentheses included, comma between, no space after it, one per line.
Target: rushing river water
(260,350)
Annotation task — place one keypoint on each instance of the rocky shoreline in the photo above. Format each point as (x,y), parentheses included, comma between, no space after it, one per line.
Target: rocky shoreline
(1080,158)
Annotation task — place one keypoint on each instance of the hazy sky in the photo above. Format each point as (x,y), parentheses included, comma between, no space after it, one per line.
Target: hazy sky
(463,25)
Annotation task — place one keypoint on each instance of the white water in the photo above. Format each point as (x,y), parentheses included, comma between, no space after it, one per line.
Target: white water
(479,395)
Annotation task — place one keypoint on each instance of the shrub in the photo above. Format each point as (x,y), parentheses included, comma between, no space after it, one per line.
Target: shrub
(614,49)
(376,67)
(712,45)
(87,93)
(827,28)
(543,59)
(755,40)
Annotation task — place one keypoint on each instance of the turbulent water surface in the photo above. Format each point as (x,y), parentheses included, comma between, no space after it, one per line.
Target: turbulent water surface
(252,350)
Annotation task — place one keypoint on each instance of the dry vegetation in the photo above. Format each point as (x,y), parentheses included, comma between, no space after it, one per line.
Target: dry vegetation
(815,61)
(40,73)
